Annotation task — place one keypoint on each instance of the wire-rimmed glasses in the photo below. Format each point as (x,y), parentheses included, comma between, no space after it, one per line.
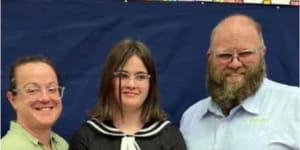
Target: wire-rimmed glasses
(36,91)
(139,77)
(227,56)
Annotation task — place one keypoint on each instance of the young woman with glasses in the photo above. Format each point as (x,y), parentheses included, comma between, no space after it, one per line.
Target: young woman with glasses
(127,114)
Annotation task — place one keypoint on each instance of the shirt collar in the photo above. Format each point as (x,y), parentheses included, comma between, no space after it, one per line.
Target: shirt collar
(14,126)
(208,107)
(54,138)
(214,109)
(251,105)
(146,131)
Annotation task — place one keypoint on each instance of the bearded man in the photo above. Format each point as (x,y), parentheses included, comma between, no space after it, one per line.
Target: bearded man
(245,109)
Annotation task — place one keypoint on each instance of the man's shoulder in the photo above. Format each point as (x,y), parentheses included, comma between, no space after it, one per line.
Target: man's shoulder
(8,142)
(198,108)
(192,114)
(11,137)
(282,88)
(14,146)
(279,96)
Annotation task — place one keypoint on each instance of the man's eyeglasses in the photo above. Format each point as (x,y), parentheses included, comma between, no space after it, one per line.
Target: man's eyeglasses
(242,56)
(35,91)
(124,76)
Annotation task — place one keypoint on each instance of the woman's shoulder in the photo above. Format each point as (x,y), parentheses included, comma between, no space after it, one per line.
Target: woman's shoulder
(171,131)
(85,130)
(171,138)
(87,136)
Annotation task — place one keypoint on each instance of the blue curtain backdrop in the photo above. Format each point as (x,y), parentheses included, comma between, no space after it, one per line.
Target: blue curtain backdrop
(77,36)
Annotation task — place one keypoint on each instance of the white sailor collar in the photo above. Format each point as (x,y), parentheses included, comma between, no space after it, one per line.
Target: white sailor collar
(147,131)
(128,142)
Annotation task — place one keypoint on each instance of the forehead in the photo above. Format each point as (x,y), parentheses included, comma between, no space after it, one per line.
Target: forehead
(134,64)
(235,35)
(37,72)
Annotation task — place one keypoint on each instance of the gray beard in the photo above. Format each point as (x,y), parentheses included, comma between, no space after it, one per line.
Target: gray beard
(228,95)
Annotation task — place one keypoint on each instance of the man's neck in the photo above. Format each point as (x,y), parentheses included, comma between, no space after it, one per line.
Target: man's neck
(226,111)
(227,108)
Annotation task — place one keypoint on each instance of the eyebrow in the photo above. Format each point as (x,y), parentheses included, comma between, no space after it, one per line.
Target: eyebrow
(233,50)
(139,72)
(36,84)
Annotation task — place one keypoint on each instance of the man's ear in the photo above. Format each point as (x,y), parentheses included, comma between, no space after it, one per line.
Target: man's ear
(208,53)
(263,50)
(11,98)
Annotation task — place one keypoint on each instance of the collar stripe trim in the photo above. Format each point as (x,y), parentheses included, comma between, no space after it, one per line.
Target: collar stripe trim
(147,132)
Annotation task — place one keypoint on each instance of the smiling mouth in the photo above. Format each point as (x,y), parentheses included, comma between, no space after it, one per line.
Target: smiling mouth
(129,93)
(234,77)
(44,108)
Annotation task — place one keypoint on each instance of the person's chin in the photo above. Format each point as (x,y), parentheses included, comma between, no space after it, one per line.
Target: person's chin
(47,118)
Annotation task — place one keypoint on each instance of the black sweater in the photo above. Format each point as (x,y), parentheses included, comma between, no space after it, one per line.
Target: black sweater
(95,135)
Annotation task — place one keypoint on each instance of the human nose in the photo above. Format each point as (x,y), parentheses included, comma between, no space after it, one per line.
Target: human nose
(235,61)
(131,82)
(44,95)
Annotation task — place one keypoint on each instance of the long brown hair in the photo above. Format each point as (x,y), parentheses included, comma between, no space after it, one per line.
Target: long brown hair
(106,102)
